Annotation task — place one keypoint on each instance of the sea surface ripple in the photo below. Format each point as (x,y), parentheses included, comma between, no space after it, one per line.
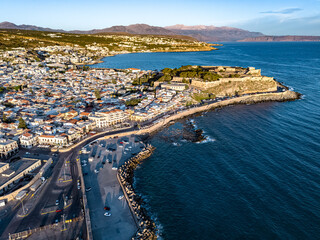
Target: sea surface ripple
(260,176)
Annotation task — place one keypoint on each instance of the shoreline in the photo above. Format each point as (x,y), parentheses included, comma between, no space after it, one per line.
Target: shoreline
(99,60)
(146,228)
(145,225)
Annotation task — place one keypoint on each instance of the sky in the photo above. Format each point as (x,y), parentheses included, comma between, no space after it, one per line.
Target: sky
(272,17)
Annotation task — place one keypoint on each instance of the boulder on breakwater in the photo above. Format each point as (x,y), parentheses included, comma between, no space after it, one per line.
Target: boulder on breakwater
(146,227)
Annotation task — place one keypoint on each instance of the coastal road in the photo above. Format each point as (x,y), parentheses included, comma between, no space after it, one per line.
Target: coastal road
(51,192)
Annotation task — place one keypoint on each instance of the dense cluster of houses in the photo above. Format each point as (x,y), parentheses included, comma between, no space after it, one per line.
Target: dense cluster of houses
(50,102)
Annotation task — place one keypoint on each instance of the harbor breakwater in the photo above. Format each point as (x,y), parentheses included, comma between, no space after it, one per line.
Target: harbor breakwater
(146,227)
(248,99)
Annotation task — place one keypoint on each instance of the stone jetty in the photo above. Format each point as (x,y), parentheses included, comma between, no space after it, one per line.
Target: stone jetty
(146,227)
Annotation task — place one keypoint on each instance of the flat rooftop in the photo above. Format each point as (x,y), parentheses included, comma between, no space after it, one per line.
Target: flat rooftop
(16,167)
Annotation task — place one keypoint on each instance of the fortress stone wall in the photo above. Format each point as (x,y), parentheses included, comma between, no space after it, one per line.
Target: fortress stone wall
(205,85)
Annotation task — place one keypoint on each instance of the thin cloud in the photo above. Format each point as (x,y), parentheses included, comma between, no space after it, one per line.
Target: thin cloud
(284,11)
(276,25)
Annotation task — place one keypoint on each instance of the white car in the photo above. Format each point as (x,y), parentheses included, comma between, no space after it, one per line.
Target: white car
(107,214)
(120,197)
(96,171)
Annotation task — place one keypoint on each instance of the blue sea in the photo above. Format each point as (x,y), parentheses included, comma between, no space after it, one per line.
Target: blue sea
(258,175)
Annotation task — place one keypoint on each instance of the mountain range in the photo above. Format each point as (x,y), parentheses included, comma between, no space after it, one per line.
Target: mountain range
(199,32)
(212,33)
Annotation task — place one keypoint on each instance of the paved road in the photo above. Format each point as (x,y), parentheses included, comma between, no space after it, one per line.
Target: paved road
(48,195)
(52,191)
(47,198)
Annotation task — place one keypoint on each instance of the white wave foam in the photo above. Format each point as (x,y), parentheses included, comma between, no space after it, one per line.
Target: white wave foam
(207,140)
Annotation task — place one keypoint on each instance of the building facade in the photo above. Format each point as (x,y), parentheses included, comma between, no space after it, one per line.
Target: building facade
(107,119)
(28,140)
(53,140)
(8,148)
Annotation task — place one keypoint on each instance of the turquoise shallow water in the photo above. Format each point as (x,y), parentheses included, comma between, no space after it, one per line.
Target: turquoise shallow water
(259,176)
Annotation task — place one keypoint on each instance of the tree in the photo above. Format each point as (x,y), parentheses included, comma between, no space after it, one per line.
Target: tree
(97,93)
(22,123)
(133,102)
(48,94)
(85,68)
(165,78)
(17,88)
(4,118)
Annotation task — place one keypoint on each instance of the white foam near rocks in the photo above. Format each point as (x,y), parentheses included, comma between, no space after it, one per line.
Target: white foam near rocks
(207,140)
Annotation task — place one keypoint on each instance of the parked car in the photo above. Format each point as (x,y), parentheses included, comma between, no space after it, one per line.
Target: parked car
(107,214)
(57,202)
(88,189)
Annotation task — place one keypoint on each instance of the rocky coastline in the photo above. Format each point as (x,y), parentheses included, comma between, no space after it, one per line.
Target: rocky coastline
(146,227)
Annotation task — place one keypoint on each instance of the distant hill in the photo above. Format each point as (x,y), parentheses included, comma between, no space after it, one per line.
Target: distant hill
(132,29)
(212,33)
(202,33)
(282,39)
(9,25)
(199,32)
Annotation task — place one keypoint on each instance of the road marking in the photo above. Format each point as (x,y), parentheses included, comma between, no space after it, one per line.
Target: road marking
(67,206)
(22,216)
(48,212)
(67,180)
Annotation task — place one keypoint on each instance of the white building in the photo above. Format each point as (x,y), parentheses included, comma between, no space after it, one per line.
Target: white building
(174,86)
(106,119)
(27,140)
(53,140)
(7,148)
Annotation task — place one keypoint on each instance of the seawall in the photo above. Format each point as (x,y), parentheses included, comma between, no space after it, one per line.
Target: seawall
(250,99)
(146,227)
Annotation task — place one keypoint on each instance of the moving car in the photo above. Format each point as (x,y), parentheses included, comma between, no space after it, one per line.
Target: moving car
(88,189)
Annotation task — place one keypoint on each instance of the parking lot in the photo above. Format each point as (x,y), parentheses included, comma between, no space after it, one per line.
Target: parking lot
(100,162)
